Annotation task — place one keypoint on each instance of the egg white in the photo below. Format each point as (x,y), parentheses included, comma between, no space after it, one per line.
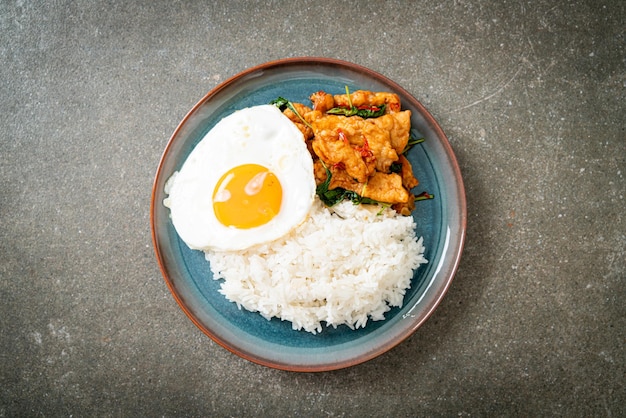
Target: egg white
(255,135)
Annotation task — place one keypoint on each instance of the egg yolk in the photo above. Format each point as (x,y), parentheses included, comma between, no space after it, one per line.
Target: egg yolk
(247,196)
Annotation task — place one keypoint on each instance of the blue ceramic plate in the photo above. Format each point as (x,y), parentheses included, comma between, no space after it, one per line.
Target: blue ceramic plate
(441,221)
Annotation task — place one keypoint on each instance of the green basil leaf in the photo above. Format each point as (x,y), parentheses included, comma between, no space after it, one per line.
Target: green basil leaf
(395,168)
(332,197)
(371,112)
(413,140)
(424,196)
(280,103)
(342,111)
(354,111)
(328,197)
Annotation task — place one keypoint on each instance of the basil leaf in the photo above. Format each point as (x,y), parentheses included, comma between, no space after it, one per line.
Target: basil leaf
(424,196)
(413,140)
(342,111)
(372,112)
(332,197)
(280,102)
(395,168)
(360,200)
(367,113)
(323,187)
(328,197)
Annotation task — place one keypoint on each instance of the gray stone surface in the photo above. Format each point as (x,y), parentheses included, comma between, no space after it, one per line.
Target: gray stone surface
(531,94)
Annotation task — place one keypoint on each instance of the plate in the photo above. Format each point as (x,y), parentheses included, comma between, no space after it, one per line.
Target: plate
(440,221)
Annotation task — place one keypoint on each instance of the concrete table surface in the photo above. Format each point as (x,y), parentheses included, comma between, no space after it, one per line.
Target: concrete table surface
(532,96)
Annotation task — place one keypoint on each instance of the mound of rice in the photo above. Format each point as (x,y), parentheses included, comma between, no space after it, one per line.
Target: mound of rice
(341,266)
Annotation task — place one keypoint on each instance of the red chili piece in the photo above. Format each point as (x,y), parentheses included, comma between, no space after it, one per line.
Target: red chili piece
(343,136)
(365,150)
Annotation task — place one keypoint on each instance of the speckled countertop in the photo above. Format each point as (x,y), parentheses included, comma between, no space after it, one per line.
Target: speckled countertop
(532,97)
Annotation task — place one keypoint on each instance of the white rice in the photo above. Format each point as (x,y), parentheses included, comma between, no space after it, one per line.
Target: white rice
(343,266)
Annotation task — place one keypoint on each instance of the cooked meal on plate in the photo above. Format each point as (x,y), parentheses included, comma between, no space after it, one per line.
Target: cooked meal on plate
(303,211)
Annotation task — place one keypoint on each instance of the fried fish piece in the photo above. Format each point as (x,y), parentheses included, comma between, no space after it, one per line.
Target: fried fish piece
(341,178)
(365,98)
(322,101)
(332,148)
(369,141)
(385,187)
(408,179)
(398,125)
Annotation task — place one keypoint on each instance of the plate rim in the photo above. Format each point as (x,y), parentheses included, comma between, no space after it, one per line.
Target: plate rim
(454,166)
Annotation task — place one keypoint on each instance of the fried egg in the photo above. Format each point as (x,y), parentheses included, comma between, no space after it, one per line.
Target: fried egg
(248,181)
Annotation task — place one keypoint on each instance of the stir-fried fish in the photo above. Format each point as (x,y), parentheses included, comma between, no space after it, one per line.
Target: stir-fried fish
(364,156)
